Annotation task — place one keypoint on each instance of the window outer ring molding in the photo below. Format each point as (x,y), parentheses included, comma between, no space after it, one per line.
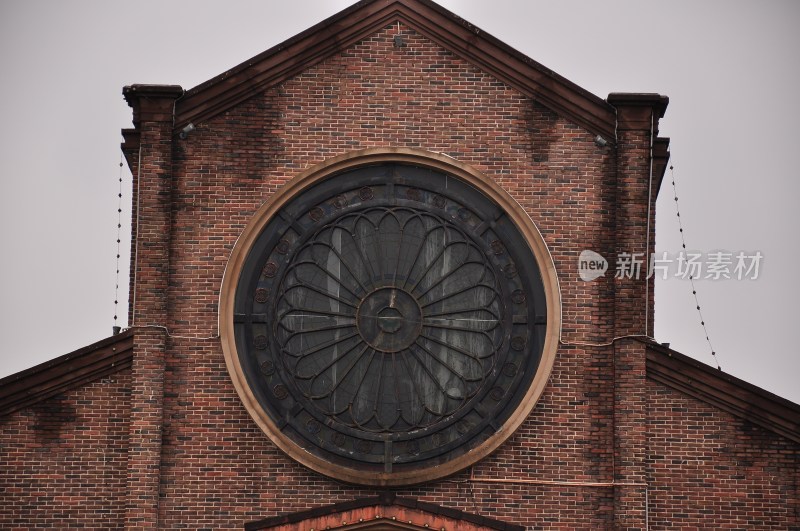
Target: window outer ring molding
(329,168)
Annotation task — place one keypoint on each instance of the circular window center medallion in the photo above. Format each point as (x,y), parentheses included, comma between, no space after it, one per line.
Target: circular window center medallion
(389,320)
(373,329)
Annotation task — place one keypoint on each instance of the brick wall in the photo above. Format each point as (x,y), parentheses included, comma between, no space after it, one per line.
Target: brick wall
(63,460)
(589,427)
(218,469)
(198,461)
(710,469)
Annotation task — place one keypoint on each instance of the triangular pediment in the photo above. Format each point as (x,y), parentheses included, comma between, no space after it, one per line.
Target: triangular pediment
(385,512)
(432,21)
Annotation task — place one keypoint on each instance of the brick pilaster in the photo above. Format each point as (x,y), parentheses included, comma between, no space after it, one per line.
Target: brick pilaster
(637,128)
(153,118)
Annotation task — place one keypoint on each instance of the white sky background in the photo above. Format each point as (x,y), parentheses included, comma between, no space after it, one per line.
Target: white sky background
(730,69)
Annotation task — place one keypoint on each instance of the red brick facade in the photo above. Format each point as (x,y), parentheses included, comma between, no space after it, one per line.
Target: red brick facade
(714,470)
(168,443)
(64,459)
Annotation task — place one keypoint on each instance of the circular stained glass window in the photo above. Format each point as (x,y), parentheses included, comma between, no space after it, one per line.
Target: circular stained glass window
(387,320)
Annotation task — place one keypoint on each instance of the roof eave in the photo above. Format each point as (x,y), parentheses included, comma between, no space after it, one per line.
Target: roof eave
(67,372)
(724,391)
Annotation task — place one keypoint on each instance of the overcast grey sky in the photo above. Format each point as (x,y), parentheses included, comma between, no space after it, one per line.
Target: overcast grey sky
(730,69)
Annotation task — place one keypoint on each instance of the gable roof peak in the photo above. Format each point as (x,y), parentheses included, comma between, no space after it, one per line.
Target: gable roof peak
(353,24)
